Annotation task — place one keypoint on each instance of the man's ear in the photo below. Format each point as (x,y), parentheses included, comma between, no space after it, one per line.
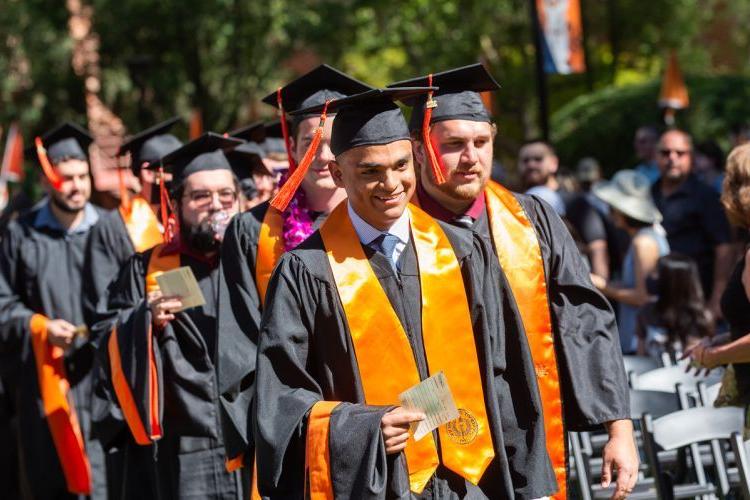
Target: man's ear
(336,173)
(419,153)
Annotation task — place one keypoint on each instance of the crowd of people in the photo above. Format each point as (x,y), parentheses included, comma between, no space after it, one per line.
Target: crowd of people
(334,259)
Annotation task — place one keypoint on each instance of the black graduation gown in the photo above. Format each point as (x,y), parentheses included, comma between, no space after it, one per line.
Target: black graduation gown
(41,273)
(189,460)
(238,324)
(306,355)
(592,375)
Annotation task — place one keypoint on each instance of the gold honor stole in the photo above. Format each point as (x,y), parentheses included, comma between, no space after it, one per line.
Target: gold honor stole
(520,257)
(270,249)
(385,358)
(143,434)
(141,224)
(61,416)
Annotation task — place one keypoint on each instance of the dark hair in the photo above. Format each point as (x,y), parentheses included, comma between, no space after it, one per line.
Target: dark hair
(681,304)
(712,151)
(550,147)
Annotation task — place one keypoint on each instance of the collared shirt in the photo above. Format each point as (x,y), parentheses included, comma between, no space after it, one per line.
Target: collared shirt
(367,234)
(46,218)
(436,210)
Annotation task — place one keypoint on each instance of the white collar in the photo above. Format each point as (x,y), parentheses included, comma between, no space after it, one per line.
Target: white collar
(366,233)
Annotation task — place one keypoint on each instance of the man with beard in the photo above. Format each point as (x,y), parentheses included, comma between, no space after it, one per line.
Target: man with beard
(380,298)
(120,233)
(255,240)
(134,226)
(569,325)
(45,355)
(538,164)
(161,358)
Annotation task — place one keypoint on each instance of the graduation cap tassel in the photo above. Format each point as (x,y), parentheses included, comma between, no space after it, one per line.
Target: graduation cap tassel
(168,218)
(285,132)
(435,162)
(286,193)
(124,194)
(49,172)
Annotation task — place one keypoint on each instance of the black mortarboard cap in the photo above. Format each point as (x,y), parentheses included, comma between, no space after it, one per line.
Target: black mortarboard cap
(369,118)
(255,132)
(150,145)
(204,153)
(457,97)
(246,159)
(66,142)
(274,141)
(322,84)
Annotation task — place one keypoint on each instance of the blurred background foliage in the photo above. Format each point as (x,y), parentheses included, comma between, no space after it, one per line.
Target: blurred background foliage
(164,57)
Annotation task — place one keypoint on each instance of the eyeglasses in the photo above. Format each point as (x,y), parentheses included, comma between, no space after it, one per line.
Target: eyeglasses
(666,153)
(204,197)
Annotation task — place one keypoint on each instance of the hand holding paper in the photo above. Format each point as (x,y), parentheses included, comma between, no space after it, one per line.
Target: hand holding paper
(432,397)
(181,283)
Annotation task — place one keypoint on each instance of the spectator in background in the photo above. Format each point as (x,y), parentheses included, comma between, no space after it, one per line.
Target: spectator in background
(678,319)
(693,216)
(740,134)
(537,165)
(708,164)
(634,211)
(645,145)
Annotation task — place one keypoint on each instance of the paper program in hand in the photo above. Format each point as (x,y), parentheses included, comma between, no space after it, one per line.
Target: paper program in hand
(181,283)
(433,397)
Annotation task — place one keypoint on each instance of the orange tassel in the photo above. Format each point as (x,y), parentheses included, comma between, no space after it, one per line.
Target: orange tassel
(286,193)
(435,161)
(168,219)
(49,171)
(285,133)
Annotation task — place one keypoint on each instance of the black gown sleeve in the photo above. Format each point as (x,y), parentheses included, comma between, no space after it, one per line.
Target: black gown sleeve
(14,314)
(592,375)
(299,308)
(238,323)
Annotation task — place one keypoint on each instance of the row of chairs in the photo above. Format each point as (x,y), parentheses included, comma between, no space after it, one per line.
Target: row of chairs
(688,448)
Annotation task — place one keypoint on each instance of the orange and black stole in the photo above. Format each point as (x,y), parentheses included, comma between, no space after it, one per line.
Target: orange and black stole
(141,223)
(517,247)
(133,366)
(385,359)
(59,409)
(270,249)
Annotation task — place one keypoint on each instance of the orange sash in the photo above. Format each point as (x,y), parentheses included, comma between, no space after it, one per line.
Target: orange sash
(270,249)
(157,264)
(384,355)
(59,410)
(520,257)
(141,223)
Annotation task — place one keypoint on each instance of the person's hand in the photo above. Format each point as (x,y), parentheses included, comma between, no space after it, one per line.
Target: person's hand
(60,333)
(599,282)
(161,308)
(620,455)
(395,428)
(695,354)
(715,308)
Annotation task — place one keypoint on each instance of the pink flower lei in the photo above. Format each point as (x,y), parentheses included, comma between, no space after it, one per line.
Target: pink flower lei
(298,224)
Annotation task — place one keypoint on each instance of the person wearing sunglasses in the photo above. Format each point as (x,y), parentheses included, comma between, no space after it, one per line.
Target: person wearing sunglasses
(695,222)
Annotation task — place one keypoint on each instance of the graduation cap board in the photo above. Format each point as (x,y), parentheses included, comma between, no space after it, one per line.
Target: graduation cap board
(150,145)
(255,132)
(367,118)
(317,87)
(246,159)
(457,98)
(204,153)
(65,142)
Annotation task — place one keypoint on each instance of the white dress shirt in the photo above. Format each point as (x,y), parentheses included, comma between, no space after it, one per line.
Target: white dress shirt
(367,234)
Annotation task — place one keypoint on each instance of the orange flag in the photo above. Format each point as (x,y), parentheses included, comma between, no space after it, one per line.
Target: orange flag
(674,92)
(12,166)
(196,123)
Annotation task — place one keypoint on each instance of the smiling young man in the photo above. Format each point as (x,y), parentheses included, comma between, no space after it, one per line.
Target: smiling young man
(44,357)
(569,325)
(161,359)
(255,240)
(382,297)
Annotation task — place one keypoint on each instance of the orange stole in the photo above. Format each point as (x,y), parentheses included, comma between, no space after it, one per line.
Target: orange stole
(157,265)
(141,224)
(520,257)
(59,411)
(270,249)
(384,356)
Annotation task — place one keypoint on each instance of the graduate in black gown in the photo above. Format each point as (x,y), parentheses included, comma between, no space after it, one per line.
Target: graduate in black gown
(381,297)
(120,233)
(45,355)
(247,163)
(134,226)
(162,362)
(244,281)
(570,325)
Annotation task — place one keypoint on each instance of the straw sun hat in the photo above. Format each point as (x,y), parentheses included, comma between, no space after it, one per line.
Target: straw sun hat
(629,192)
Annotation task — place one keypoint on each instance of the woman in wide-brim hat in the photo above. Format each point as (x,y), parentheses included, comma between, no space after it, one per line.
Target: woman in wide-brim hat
(633,210)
